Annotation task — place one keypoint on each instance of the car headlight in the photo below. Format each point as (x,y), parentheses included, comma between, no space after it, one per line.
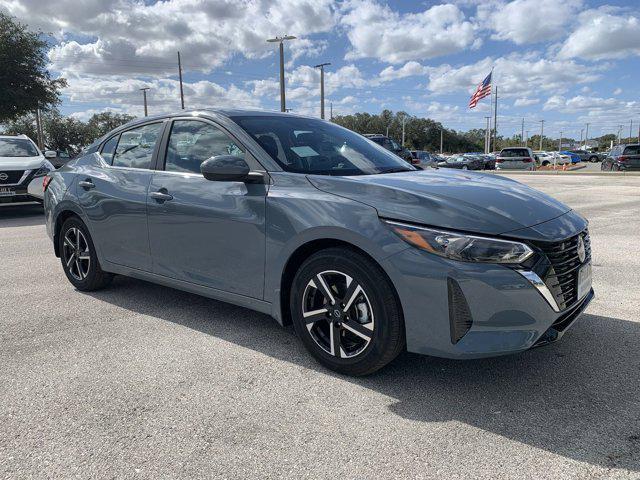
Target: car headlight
(45,168)
(458,246)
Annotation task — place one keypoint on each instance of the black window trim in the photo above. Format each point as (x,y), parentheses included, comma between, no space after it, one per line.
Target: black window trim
(156,149)
(160,164)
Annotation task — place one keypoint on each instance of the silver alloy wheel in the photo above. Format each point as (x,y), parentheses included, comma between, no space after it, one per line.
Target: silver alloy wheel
(338,314)
(76,253)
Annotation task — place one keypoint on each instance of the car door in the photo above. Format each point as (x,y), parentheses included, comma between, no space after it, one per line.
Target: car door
(210,233)
(114,195)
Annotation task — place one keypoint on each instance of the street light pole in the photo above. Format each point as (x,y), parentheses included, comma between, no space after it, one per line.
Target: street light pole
(586,136)
(321,67)
(144,96)
(541,133)
(486,136)
(403,119)
(441,141)
(560,142)
(180,77)
(280,40)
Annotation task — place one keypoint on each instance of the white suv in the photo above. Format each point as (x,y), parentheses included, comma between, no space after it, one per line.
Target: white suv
(22,169)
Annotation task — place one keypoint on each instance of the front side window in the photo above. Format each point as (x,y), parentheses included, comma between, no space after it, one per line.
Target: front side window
(135,148)
(317,147)
(632,150)
(108,149)
(17,147)
(192,142)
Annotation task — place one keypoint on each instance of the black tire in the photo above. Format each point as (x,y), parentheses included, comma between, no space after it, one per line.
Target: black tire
(593,159)
(92,276)
(387,338)
(615,168)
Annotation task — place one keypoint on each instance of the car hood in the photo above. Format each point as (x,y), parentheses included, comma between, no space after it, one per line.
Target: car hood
(466,201)
(20,163)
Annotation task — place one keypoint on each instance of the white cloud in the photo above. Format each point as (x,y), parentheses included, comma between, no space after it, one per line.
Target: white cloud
(602,35)
(515,75)
(528,21)
(377,31)
(409,69)
(525,102)
(617,91)
(133,36)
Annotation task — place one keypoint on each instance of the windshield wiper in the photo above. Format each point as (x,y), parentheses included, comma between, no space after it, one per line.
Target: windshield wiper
(396,170)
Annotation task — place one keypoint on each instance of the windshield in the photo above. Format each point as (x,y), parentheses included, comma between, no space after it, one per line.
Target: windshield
(17,147)
(514,152)
(307,145)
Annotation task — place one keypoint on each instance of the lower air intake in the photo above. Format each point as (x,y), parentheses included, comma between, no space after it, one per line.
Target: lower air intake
(460,319)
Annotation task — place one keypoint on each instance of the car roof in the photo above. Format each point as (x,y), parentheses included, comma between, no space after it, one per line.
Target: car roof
(23,136)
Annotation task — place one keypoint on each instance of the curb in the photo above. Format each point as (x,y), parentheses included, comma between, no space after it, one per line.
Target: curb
(560,172)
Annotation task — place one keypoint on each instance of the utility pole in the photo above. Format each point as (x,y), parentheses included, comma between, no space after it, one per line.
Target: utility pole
(495,121)
(560,142)
(581,132)
(321,67)
(486,136)
(280,40)
(144,96)
(630,129)
(541,133)
(403,119)
(522,133)
(441,141)
(39,130)
(586,136)
(526,139)
(619,132)
(180,77)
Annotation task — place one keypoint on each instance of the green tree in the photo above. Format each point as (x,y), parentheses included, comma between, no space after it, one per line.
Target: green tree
(25,83)
(102,123)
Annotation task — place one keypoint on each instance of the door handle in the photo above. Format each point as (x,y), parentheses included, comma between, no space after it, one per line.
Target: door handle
(86,184)
(161,196)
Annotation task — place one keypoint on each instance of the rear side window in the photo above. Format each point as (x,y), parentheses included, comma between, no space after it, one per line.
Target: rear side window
(109,148)
(632,150)
(514,152)
(135,148)
(192,142)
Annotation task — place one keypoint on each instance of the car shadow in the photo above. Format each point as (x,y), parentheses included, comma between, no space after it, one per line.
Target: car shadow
(578,398)
(21,215)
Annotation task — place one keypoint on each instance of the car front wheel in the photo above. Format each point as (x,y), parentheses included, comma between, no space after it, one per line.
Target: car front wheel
(346,312)
(78,257)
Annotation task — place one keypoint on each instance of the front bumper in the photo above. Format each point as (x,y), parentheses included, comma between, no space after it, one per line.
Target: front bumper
(508,314)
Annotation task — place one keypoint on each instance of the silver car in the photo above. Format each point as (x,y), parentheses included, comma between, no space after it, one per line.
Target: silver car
(516,158)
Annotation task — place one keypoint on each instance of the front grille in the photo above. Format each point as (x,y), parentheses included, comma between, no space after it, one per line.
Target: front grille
(10,177)
(561,276)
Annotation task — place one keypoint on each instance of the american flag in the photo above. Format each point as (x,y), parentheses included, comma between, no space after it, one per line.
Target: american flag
(483,90)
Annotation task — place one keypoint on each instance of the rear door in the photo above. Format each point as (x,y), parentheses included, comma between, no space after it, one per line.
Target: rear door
(210,233)
(114,195)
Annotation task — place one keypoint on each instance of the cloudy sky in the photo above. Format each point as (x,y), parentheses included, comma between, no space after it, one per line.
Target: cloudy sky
(568,62)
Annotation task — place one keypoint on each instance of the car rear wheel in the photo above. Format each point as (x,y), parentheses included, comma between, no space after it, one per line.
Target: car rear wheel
(346,313)
(464,167)
(78,257)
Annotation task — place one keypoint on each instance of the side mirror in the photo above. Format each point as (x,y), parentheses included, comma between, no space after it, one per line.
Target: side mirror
(50,154)
(225,168)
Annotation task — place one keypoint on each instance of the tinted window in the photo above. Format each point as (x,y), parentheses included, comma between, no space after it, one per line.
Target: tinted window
(632,150)
(17,147)
(324,148)
(135,147)
(192,142)
(514,152)
(109,148)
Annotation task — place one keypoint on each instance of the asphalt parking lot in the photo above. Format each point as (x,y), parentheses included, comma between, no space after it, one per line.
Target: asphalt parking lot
(142,381)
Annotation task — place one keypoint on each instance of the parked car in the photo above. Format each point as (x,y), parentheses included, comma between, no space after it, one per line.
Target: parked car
(516,158)
(551,158)
(22,169)
(463,163)
(622,158)
(575,158)
(489,161)
(424,159)
(391,145)
(313,224)
(587,156)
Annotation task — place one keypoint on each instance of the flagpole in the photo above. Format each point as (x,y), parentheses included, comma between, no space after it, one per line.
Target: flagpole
(495,120)
(490,123)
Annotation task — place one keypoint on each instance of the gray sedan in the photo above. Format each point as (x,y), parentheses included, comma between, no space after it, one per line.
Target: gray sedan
(318,226)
